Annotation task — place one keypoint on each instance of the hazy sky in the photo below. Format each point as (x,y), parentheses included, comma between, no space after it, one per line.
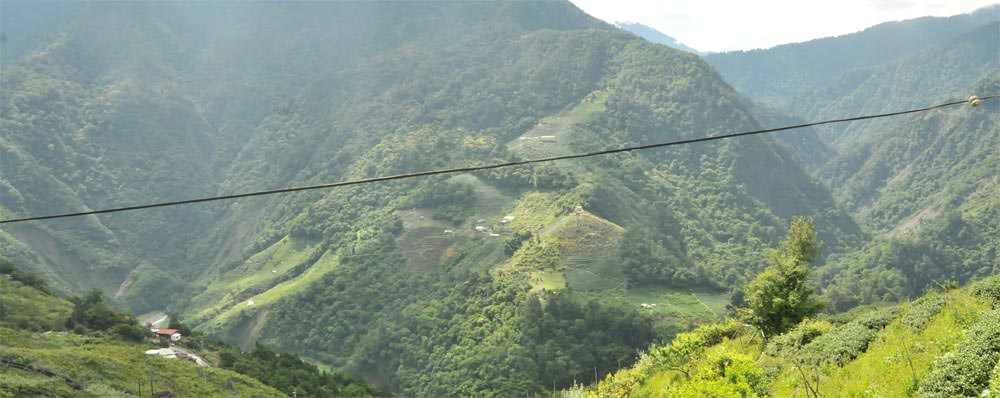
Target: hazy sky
(721,25)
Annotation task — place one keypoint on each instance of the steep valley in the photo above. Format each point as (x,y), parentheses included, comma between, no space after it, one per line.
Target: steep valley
(503,282)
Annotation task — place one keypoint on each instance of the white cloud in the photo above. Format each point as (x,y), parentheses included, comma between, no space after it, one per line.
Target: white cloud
(717,25)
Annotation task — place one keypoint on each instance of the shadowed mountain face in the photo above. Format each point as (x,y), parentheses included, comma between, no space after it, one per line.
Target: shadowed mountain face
(124,104)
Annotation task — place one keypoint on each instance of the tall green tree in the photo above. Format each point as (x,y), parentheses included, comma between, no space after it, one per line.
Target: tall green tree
(782,295)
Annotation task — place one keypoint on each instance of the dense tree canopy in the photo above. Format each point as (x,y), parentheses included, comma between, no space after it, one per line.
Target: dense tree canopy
(782,295)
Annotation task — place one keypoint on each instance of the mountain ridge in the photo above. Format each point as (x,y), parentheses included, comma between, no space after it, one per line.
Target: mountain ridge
(653,35)
(777,76)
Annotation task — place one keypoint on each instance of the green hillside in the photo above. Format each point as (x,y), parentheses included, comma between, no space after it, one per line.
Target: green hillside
(333,276)
(947,71)
(104,354)
(40,360)
(929,191)
(922,186)
(27,301)
(506,282)
(943,344)
(67,365)
(888,67)
(396,280)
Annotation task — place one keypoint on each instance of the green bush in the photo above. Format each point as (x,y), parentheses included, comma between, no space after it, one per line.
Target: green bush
(841,345)
(15,273)
(289,373)
(878,319)
(988,289)
(847,341)
(130,331)
(723,375)
(91,312)
(995,382)
(922,310)
(690,344)
(967,369)
(683,354)
(714,333)
(804,333)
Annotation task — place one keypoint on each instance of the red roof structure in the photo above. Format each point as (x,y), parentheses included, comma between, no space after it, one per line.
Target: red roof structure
(165,332)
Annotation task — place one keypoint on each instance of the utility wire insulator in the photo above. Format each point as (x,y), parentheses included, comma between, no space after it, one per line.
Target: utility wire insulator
(975,101)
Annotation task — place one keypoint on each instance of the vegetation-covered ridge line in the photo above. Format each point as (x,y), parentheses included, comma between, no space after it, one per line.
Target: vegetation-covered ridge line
(975,100)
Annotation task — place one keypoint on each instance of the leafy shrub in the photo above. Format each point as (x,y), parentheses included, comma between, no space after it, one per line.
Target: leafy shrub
(289,373)
(714,333)
(686,346)
(802,334)
(922,310)
(130,331)
(878,319)
(724,375)
(682,354)
(967,369)
(513,243)
(8,268)
(841,345)
(848,341)
(988,289)
(92,314)
(995,383)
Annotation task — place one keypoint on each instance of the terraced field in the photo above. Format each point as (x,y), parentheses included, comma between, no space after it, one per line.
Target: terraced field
(260,272)
(589,273)
(553,135)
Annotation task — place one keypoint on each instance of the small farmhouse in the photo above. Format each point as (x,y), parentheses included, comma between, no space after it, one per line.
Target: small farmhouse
(167,335)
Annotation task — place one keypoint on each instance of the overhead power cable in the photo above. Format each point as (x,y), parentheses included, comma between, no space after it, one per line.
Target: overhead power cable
(973,101)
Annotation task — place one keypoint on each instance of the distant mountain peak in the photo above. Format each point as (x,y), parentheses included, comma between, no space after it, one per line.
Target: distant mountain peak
(653,35)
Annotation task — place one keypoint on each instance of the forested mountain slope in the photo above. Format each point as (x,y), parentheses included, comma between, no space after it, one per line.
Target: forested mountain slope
(922,185)
(963,51)
(142,102)
(781,75)
(947,157)
(944,344)
(425,310)
(929,189)
(934,75)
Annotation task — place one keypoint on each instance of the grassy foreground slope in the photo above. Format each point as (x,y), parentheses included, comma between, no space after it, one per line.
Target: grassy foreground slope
(66,364)
(105,354)
(944,344)
(69,365)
